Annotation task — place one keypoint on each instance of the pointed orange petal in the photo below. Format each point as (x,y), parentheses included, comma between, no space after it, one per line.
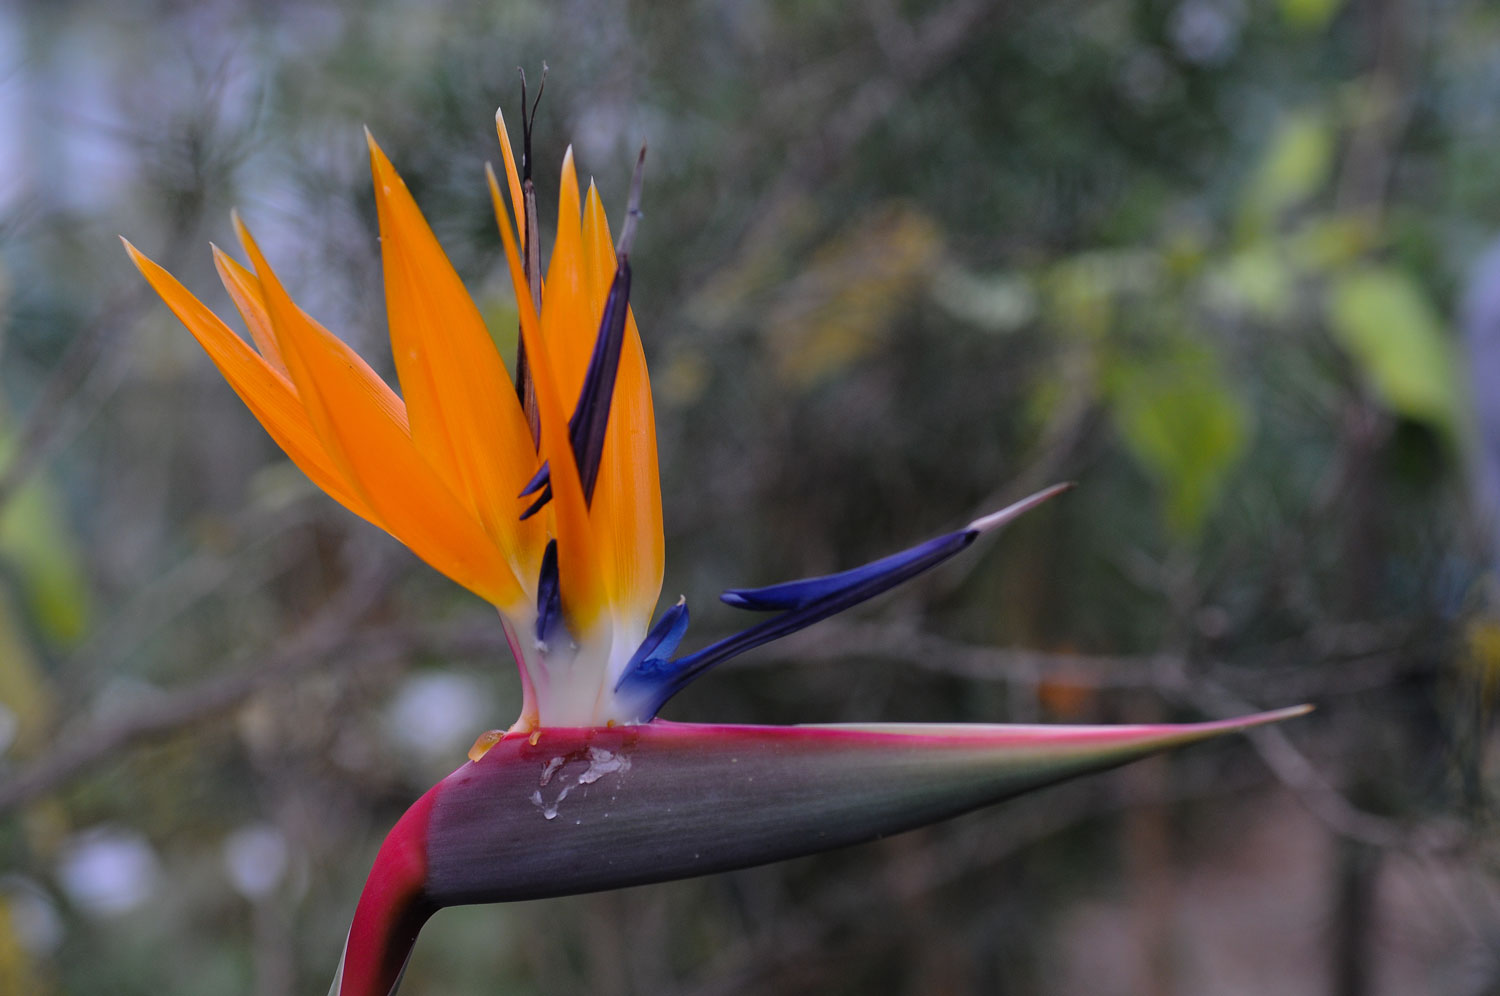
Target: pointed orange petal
(266,392)
(583,594)
(599,260)
(569,323)
(512,177)
(374,448)
(244,291)
(627,500)
(465,416)
(379,393)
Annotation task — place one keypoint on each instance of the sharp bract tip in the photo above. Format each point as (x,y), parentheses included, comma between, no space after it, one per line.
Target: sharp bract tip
(1009,513)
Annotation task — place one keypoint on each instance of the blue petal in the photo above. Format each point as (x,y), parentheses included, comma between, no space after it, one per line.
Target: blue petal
(539,480)
(649,665)
(800,594)
(590,418)
(664,637)
(548,595)
(541,501)
(869,582)
(652,681)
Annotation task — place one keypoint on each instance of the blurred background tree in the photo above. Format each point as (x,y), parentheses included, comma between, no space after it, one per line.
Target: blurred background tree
(901,263)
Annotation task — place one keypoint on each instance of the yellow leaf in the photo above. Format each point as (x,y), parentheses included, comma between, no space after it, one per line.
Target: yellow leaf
(851,293)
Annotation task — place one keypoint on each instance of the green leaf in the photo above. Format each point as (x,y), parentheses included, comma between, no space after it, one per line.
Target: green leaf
(1385,323)
(1296,165)
(1309,15)
(36,544)
(1257,280)
(27,703)
(1180,418)
(851,293)
(1083,292)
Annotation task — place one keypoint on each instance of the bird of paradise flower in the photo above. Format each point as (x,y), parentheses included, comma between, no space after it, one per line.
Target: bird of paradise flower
(551,512)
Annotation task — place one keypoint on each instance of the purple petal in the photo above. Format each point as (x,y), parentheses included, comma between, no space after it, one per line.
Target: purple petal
(878,576)
(590,420)
(541,501)
(548,595)
(540,479)
(651,680)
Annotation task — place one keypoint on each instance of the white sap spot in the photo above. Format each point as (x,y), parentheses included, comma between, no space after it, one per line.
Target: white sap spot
(548,812)
(601,762)
(551,769)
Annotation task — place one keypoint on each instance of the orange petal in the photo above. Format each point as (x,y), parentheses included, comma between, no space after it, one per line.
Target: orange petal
(266,392)
(512,178)
(599,262)
(349,408)
(465,416)
(356,368)
(244,291)
(570,325)
(627,499)
(583,594)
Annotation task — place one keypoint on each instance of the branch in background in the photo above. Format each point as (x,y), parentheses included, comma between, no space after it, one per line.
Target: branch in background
(1294,770)
(1170,676)
(856,101)
(156,604)
(1378,665)
(948,859)
(74,752)
(91,370)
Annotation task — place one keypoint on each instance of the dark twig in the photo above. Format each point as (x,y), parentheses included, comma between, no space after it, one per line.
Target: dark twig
(531,256)
(76,751)
(955,858)
(90,371)
(329,641)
